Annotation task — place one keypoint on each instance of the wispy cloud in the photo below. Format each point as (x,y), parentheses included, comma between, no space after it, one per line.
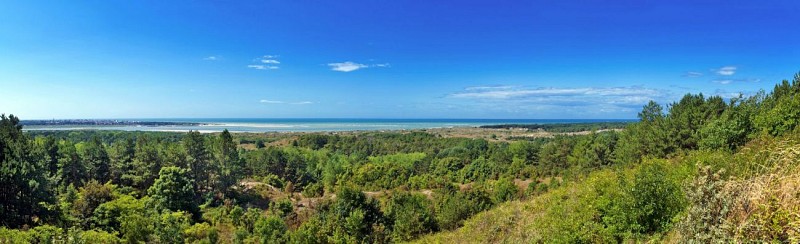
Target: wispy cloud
(484,88)
(212,58)
(610,99)
(722,81)
(692,74)
(266,62)
(262,67)
(727,94)
(349,66)
(346,66)
(284,102)
(726,70)
(269,59)
(729,81)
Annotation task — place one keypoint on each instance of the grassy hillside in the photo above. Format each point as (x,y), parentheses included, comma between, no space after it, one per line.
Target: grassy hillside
(749,195)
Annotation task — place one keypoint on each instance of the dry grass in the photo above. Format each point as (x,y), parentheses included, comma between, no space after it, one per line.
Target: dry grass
(764,200)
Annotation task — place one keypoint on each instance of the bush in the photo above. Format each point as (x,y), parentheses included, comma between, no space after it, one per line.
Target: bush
(411,215)
(109,214)
(99,236)
(505,190)
(282,207)
(91,196)
(314,190)
(170,227)
(47,234)
(271,229)
(709,206)
(135,228)
(174,190)
(453,207)
(657,198)
(12,236)
(200,232)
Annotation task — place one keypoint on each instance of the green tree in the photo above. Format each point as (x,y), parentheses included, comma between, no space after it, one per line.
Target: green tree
(649,137)
(198,159)
(170,227)
(411,216)
(555,154)
(108,216)
(122,154)
(49,150)
(96,157)
(594,150)
(146,163)
(90,197)
(505,190)
(70,168)
(690,114)
(229,168)
(783,117)
(271,229)
(23,183)
(656,197)
(352,217)
(173,190)
(735,125)
(136,228)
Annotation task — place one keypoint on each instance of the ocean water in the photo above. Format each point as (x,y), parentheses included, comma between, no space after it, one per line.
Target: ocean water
(313,125)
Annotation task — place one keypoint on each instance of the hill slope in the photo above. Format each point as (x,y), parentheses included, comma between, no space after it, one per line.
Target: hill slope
(750,195)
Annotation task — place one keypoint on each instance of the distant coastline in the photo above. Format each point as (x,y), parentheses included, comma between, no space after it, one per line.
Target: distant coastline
(289,124)
(106,122)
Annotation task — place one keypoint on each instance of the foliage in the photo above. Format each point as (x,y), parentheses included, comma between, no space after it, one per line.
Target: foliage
(170,226)
(505,190)
(173,190)
(656,197)
(709,208)
(24,188)
(109,215)
(271,229)
(411,215)
(91,196)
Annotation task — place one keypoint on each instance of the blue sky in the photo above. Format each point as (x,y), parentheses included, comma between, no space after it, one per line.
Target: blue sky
(385,59)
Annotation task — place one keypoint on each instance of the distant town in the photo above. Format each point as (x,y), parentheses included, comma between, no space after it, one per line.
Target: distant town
(56,122)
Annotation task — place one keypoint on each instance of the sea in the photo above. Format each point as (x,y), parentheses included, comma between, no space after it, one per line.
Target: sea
(209,125)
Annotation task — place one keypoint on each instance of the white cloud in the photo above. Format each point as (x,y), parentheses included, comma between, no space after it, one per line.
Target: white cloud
(270,61)
(262,67)
(284,102)
(729,81)
(588,98)
(727,94)
(510,92)
(351,66)
(346,66)
(722,81)
(693,74)
(266,62)
(472,88)
(211,58)
(726,70)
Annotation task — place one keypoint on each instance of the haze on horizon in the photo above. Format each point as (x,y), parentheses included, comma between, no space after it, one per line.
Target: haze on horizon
(379,59)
